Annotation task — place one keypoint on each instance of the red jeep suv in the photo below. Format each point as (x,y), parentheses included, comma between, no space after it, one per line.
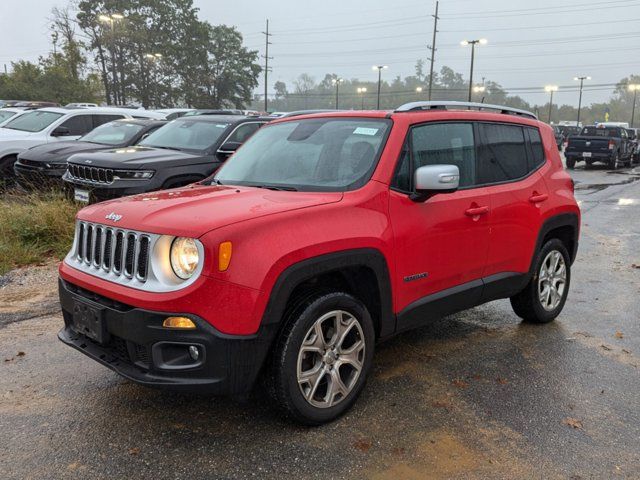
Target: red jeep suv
(321,236)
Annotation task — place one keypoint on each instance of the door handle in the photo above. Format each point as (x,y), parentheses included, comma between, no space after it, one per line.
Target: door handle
(538,198)
(476,211)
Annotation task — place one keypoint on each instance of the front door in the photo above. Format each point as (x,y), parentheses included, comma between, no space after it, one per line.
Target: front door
(441,244)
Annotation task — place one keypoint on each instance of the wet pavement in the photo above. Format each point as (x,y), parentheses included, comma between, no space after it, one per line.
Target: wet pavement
(476,395)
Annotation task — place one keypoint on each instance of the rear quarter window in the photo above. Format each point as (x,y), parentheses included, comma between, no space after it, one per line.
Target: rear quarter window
(503,154)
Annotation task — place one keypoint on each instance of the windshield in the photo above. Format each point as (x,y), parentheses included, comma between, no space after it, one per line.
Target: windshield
(600,132)
(5,115)
(33,121)
(327,154)
(113,133)
(186,135)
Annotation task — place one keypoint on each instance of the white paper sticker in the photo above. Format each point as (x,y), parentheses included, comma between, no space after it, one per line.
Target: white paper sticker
(365,131)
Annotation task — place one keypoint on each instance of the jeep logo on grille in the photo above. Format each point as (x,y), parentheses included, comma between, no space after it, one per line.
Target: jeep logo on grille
(113,216)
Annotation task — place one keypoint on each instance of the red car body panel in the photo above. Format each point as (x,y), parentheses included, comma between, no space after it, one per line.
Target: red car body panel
(274,230)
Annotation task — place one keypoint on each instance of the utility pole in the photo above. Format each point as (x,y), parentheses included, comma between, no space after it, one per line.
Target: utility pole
(433,49)
(266,66)
(634,88)
(581,79)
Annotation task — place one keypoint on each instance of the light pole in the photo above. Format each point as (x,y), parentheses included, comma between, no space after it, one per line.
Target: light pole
(111,20)
(634,88)
(379,68)
(337,81)
(473,43)
(581,79)
(361,91)
(551,89)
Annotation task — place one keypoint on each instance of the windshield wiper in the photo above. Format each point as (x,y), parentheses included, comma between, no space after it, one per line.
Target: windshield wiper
(215,181)
(283,188)
(163,148)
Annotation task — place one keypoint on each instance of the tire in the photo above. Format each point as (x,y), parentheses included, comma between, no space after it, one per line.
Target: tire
(588,164)
(571,163)
(318,397)
(614,161)
(528,304)
(7,175)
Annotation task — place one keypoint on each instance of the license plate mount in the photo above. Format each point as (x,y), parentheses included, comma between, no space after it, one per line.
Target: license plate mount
(88,320)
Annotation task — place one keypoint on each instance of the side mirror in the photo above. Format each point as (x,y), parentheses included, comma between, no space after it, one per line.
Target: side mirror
(229,147)
(144,136)
(60,132)
(432,179)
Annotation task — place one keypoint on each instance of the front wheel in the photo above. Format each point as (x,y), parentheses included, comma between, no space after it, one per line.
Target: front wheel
(544,297)
(322,358)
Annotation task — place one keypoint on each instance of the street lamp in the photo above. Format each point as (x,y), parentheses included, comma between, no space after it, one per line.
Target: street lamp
(473,43)
(419,91)
(634,88)
(361,91)
(379,68)
(550,89)
(581,79)
(111,20)
(337,81)
(479,89)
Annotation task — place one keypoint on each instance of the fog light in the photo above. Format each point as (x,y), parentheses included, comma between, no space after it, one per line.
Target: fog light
(194,353)
(179,322)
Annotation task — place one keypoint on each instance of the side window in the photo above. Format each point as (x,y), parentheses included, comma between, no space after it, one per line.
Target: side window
(445,144)
(503,155)
(243,132)
(402,178)
(78,125)
(102,119)
(537,149)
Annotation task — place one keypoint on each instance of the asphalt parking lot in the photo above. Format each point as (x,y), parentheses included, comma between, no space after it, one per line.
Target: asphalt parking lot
(476,395)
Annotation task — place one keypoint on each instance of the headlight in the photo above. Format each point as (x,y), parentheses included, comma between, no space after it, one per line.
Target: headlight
(184,257)
(132,174)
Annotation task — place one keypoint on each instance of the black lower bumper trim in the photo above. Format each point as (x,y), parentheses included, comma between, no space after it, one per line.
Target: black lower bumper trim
(135,345)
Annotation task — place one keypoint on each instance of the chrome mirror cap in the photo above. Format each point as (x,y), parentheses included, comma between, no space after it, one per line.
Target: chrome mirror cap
(437,178)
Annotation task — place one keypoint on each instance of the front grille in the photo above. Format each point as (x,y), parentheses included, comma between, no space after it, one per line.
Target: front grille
(96,249)
(90,174)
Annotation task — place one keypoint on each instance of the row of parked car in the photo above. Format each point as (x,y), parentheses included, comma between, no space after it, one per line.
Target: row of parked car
(613,144)
(103,153)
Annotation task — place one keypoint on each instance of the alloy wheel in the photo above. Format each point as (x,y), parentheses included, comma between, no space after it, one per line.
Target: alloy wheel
(552,280)
(331,359)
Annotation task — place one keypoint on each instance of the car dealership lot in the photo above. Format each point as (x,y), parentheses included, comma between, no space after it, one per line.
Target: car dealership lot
(477,395)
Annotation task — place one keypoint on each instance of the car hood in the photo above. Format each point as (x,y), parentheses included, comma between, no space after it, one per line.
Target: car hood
(195,210)
(8,134)
(61,150)
(134,157)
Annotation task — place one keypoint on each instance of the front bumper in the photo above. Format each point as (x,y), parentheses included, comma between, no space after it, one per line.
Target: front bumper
(135,345)
(101,193)
(29,176)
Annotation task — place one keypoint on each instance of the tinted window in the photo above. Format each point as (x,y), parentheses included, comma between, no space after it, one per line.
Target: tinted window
(102,119)
(33,121)
(600,132)
(537,149)
(503,155)
(442,144)
(327,154)
(78,125)
(243,132)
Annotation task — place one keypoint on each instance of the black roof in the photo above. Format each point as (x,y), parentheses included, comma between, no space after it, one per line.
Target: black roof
(221,118)
(142,121)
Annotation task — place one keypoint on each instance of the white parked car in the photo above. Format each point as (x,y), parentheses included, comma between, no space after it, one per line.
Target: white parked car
(45,125)
(8,113)
(81,105)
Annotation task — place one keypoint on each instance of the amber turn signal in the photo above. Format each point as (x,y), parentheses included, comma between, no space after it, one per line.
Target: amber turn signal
(179,322)
(224,256)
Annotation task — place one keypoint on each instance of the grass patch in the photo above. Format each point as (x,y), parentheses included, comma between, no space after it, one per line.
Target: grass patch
(34,228)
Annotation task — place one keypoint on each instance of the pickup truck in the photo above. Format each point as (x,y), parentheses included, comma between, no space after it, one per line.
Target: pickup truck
(609,145)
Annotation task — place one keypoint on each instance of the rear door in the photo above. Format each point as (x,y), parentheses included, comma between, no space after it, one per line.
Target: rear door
(509,166)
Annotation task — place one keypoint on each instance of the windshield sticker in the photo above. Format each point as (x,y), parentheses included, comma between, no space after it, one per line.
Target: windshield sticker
(365,131)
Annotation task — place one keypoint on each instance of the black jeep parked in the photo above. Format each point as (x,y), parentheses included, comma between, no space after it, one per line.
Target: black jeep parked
(184,151)
(44,165)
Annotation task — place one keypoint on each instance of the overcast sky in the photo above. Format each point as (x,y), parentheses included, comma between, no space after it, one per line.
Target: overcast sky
(531,44)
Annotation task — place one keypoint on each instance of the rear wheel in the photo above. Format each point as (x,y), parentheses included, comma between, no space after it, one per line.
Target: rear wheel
(614,161)
(544,297)
(322,359)
(571,163)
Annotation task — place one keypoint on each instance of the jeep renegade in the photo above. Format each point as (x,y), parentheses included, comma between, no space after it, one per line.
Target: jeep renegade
(322,235)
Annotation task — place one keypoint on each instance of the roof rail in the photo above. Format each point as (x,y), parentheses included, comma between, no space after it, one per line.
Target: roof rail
(439,105)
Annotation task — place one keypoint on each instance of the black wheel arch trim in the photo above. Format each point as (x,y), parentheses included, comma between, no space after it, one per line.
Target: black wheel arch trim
(307,269)
(558,221)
